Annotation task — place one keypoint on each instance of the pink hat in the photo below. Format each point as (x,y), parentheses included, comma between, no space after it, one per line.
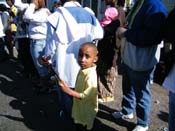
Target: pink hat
(110,14)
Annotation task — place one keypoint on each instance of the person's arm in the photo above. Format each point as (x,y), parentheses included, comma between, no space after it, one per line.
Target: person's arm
(20,5)
(147,34)
(29,12)
(31,16)
(50,48)
(87,94)
(68,90)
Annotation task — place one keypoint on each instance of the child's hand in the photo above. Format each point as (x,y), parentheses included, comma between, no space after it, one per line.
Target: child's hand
(64,87)
(62,83)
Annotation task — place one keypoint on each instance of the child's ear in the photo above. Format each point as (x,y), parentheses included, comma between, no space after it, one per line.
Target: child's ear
(96,59)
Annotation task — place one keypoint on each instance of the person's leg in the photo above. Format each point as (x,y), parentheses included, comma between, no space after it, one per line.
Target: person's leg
(2,48)
(23,53)
(28,59)
(152,75)
(9,43)
(37,51)
(171,118)
(128,102)
(141,84)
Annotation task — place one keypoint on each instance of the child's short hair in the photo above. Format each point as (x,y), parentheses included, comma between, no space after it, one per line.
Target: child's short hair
(90,44)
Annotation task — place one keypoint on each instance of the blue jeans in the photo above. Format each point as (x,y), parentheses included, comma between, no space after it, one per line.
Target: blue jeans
(37,51)
(136,93)
(171,118)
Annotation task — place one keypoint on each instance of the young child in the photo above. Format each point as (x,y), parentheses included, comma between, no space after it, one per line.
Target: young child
(85,101)
(108,53)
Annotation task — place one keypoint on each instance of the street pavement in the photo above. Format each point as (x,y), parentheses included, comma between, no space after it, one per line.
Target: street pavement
(22,109)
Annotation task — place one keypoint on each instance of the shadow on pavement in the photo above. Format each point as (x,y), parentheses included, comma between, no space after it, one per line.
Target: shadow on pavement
(39,112)
(106,113)
(163,116)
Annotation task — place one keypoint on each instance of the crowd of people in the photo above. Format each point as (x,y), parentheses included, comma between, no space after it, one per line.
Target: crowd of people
(83,52)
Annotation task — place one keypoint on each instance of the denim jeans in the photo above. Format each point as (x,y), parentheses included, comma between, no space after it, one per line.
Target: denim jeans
(136,93)
(37,51)
(171,118)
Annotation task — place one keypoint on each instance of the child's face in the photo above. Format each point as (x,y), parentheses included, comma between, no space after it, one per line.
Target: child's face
(87,56)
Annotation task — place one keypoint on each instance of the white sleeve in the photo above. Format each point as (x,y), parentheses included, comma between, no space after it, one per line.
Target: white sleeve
(20,5)
(5,16)
(50,48)
(36,17)
(28,15)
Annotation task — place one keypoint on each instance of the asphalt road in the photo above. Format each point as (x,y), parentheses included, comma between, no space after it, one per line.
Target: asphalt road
(22,109)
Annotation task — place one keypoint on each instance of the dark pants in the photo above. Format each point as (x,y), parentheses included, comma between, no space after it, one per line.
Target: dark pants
(66,103)
(2,49)
(2,46)
(171,111)
(25,56)
(80,127)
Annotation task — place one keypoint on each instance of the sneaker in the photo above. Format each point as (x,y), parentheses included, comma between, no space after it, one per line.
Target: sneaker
(120,115)
(140,128)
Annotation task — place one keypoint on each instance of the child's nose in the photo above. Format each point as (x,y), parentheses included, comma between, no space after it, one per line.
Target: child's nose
(83,58)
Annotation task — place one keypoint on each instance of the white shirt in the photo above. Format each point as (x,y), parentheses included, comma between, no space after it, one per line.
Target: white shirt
(66,32)
(37,21)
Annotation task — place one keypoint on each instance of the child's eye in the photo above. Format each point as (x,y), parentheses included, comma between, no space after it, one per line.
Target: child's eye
(87,56)
(80,55)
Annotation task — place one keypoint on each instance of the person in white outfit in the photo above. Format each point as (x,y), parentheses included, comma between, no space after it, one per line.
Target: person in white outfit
(23,41)
(67,30)
(36,14)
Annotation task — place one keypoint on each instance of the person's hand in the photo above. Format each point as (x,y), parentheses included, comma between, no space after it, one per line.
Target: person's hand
(62,83)
(64,87)
(120,32)
(44,60)
(36,4)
